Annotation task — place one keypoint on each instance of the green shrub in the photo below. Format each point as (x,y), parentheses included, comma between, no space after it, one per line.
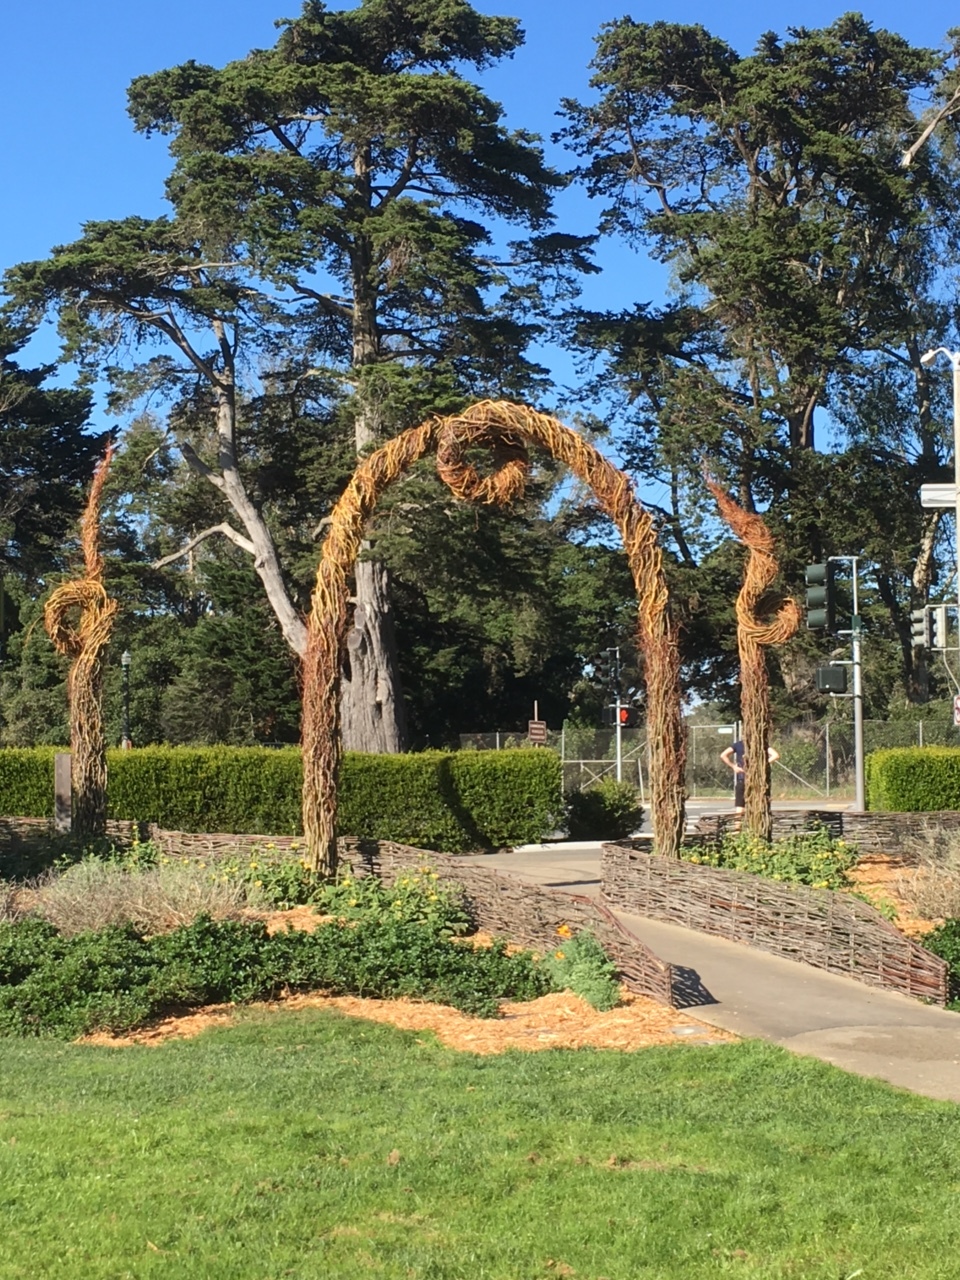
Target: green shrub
(608,811)
(103,979)
(235,789)
(452,801)
(811,857)
(579,964)
(415,897)
(945,943)
(26,782)
(913,779)
(115,978)
(448,801)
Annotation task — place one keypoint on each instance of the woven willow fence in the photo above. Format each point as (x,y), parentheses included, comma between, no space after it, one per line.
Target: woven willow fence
(530,914)
(870,832)
(831,931)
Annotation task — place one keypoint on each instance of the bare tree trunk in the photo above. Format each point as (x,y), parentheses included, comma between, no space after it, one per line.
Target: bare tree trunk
(371,703)
(371,698)
(258,542)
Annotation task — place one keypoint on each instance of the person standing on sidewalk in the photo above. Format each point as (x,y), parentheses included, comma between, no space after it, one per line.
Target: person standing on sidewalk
(734,757)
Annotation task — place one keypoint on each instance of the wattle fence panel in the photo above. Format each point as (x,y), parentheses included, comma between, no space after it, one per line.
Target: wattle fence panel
(828,930)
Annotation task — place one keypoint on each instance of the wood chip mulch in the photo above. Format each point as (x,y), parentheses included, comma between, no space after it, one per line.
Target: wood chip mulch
(558,1021)
(879,875)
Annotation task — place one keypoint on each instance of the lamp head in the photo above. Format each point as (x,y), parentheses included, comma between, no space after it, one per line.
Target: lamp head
(928,357)
(125,658)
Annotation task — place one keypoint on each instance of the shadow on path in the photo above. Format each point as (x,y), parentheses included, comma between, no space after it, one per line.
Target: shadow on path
(688,989)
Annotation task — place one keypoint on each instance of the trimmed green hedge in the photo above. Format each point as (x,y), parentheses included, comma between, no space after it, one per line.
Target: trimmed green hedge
(439,800)
(913,779)
(26,782)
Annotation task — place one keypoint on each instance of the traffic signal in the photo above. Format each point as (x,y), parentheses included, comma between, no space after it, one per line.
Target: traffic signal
(832,679)
(607,668)
(938,627)
(821,597)
(627,717)
(920,636)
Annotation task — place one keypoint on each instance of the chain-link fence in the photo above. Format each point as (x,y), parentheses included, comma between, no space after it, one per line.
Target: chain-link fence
(816,759)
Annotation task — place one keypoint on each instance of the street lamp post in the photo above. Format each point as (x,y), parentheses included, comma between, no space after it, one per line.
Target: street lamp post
(927,359)
(125,661)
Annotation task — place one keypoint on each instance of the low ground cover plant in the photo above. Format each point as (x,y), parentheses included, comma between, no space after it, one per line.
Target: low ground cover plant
(108,944)
(116,978)
(812,858)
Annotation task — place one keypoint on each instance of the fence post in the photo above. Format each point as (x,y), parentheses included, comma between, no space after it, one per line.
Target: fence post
(826,761)
(920,732)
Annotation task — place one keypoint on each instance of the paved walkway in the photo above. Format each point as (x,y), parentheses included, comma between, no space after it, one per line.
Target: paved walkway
(875,1033)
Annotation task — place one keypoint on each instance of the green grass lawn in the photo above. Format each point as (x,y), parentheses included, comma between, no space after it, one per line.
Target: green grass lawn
(309,1145)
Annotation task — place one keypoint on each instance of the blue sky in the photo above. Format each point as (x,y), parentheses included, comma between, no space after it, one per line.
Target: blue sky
(69,154)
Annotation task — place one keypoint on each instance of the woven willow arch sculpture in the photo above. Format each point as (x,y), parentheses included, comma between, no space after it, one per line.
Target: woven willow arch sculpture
(78,618)
(756,628)
(508,430)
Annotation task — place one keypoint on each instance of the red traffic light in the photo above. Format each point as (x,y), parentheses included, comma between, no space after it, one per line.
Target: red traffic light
(627,717)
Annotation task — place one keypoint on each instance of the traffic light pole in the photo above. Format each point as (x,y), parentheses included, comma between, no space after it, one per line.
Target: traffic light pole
(857,695)
(619,725)
(820,613)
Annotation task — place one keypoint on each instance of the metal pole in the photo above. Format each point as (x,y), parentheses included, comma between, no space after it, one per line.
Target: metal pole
(827,759)
(955,361)
(125,666)
(619,740)
(857,696)
(616,670)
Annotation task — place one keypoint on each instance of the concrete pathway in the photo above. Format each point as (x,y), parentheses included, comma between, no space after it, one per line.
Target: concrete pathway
(739,988)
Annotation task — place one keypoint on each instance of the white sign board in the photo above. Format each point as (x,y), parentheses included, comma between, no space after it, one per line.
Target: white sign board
(956,710)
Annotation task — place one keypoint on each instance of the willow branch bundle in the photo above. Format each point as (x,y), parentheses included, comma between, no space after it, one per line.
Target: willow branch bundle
(326,637)
(78,618)
(507,430)
(762,620)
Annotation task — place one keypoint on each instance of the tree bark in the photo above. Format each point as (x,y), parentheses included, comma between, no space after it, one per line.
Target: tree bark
(371,704)
(371,697)
(259,539)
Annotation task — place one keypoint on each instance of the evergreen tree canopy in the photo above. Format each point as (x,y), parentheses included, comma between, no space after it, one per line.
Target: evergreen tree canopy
(806,266)
(46,459)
